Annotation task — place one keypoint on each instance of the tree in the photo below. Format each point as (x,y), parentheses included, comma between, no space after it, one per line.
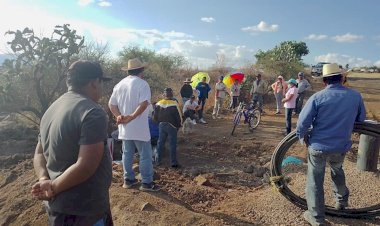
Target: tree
(36,77)
(163,70)
(285,59)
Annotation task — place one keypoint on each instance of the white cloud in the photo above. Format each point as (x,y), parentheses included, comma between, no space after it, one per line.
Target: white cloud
(85,2)
(261,27)
(316,37)
(203,53)
(343,60)
(198,52)
(104,3)
(377,63)
(208,19)
(347,38)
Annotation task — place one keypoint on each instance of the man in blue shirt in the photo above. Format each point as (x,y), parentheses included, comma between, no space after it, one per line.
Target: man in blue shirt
(203,88)
(325,125)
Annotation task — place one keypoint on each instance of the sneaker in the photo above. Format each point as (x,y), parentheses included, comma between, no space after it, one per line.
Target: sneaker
(213,117)
(149,187)
(340,206)
(278,112)
(176,166)
(194,122)
(312,221)
(129,183)
(219,117)
(202,121)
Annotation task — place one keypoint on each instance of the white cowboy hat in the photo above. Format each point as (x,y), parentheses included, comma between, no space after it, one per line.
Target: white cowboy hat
(187,80)
(331,70)
(134,64)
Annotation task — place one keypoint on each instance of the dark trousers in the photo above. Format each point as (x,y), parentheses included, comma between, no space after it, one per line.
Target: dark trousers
(288,118)
(167,131)
(234,102)
(299,102)
(201,102)
(58,219)
(189,114)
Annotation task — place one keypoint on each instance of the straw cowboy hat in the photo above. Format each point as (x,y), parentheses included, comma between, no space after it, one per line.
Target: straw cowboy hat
(134,64)
(331,70)
(187,80)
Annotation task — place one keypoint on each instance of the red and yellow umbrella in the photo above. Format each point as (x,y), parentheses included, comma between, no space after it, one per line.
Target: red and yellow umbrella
(229,79)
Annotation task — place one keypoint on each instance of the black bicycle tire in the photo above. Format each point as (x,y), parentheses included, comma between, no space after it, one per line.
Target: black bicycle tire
(258,120)
(276,161)
(238,114)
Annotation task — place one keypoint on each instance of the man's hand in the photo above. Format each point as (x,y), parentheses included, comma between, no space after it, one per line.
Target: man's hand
(124,119)
(283,100)
(43,190)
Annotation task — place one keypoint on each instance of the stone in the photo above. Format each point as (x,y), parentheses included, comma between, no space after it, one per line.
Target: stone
(146,206)
(249,169)
(201,180)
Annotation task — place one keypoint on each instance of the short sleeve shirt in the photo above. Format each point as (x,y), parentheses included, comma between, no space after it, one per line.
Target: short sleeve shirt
(71,121)
(189,105)
(127,95)
(292,102)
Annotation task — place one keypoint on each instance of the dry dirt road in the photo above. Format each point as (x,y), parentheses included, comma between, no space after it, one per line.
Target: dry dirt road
(223,179)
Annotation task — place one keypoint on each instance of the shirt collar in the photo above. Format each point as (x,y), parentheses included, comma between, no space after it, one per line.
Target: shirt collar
(336,85)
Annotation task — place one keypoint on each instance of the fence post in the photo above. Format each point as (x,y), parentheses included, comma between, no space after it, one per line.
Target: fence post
(368,153)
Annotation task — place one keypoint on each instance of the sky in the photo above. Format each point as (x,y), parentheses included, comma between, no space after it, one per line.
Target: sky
(340,31)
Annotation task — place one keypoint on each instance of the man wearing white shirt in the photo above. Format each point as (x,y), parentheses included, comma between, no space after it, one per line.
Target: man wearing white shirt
(128,103)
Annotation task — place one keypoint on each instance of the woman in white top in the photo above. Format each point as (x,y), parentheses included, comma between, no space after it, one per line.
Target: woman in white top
(290,103)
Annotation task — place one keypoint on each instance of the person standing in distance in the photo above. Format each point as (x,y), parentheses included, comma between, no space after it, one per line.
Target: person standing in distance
(128,103)
(186,90)
(220,94)
(72,161)
(303,86)
(330,114)
(203,88)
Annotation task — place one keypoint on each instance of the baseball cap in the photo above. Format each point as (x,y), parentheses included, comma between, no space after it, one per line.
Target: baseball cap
(84,69)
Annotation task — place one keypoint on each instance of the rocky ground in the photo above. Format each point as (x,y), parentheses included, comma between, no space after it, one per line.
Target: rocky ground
(223,179)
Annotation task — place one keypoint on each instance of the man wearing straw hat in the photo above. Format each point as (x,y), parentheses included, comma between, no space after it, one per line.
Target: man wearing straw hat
(128,103)
(331,114)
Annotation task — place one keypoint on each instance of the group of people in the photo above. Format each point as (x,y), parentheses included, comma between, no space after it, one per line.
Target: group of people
(291,94)
(73,163)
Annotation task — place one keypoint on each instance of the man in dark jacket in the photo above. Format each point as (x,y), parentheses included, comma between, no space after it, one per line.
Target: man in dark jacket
(186,91)
(168,115)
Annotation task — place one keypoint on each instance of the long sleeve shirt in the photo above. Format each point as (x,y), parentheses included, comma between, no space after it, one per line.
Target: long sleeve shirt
(259,87)
(235,90)
(186,91)
(168,111)
(303,85)
(331,114)
(220,90)
(280,87)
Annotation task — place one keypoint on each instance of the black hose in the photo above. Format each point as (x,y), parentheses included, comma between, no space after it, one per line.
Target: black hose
(280,183)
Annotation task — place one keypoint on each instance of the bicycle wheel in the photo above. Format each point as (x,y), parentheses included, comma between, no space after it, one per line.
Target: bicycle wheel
(254,118)
(236,121)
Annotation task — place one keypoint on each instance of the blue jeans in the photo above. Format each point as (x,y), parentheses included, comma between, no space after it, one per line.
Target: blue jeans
(201,102)
(259,100)
(145,152)
(278,97)
(167,131)
(288,119)
(184,99)
(316,176)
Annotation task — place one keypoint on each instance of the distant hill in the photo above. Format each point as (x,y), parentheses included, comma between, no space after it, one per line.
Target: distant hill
(4,57)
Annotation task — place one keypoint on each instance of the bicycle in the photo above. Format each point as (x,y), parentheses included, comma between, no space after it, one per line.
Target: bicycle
(252,116)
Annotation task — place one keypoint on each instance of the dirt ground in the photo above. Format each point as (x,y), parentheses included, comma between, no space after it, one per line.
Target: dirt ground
(223,179)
